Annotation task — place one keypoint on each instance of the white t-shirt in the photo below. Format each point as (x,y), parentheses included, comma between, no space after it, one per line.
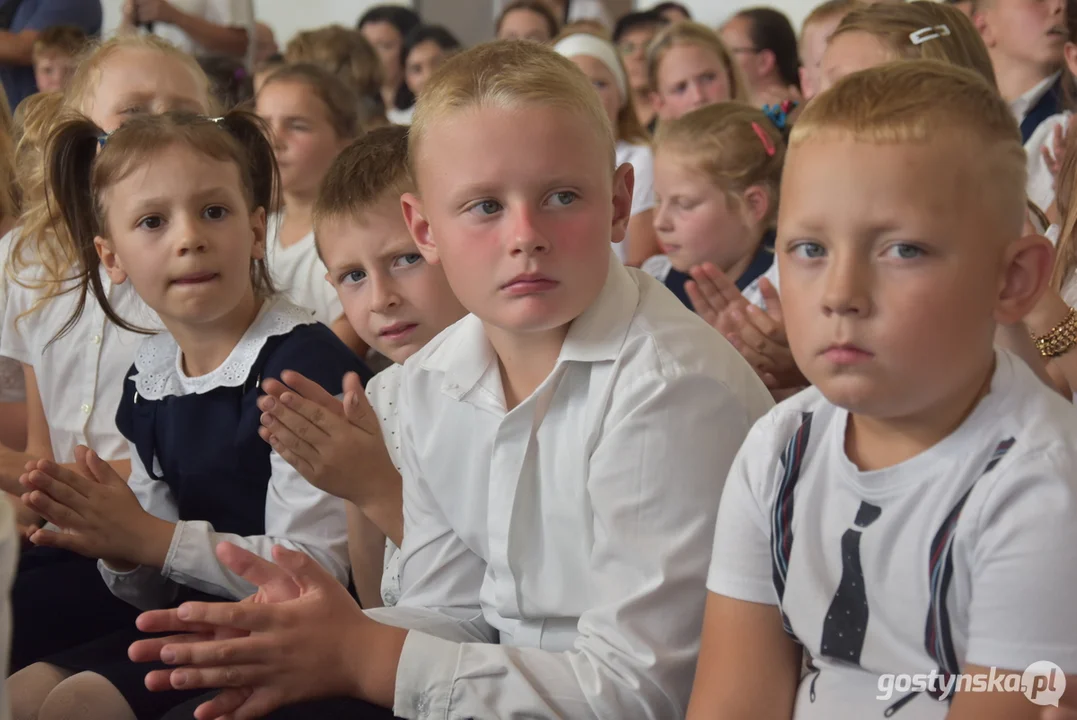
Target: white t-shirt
(1003,578)
(383,392)
(80,376)
(229,13)
(1041,183)
(12,383)
(299,273)
(642,159)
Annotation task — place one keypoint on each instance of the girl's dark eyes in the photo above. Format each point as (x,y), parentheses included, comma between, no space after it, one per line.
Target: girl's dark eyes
(153,222)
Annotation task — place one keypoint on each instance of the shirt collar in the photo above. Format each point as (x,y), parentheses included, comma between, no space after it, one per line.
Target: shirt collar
(596,335)
(1028,100)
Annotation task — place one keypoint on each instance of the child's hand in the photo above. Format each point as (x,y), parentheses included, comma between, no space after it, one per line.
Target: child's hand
(98,513)
(305,638)
(714,297)
(760,337)
(1053,157)
(337,446)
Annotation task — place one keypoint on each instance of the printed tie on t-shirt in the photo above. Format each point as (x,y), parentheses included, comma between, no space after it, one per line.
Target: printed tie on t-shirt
(846,621)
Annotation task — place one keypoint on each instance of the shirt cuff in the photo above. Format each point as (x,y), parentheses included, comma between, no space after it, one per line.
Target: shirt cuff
(425,677)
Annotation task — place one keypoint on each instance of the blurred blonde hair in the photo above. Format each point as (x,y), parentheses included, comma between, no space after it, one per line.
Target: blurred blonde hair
(924,101)
(41,240)
(723,141)
(1066,250)
(508,74)
(896,25)
(9,190)
(827,11)
(348,55)
(693,33)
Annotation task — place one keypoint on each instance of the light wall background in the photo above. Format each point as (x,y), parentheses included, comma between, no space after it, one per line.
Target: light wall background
(287,17)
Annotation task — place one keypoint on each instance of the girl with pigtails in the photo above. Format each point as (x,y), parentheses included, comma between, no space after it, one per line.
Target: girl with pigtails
(175,204)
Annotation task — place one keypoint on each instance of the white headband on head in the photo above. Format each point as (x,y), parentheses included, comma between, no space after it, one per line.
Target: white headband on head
(584,44)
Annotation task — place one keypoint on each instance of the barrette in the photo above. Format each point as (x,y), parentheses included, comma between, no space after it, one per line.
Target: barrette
(922,35)
(767,144)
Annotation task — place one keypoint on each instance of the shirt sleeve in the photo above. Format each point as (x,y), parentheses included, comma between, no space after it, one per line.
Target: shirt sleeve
(1024,567)
(740,565)
(145,587)
(297,515)
(653,525)
(15,332)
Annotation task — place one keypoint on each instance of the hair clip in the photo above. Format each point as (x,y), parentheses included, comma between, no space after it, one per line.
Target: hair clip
(922,35)
(767,144)
(778,114)
(101,140)
(217,120)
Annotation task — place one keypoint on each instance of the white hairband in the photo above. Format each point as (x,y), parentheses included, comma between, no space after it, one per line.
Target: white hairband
(922,35)
(596,47)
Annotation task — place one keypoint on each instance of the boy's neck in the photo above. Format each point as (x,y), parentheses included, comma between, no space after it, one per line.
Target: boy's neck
(525,359)
(1016,79)
(204,348)
(876,443)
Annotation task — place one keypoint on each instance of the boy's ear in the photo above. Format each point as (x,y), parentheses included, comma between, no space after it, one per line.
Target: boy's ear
(419,227)
(1027,265)
(258,227)
(756,203)
(624,180)
(979,19)
(110,261)
(1070,53)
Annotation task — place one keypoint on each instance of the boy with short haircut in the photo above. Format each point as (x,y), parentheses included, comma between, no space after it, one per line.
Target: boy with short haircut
(815,31)
(1025,39)
(563,446)
(55,55)
(915,511)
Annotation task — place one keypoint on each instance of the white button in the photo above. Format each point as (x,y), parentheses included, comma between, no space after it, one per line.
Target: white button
(86,409)
(96,339)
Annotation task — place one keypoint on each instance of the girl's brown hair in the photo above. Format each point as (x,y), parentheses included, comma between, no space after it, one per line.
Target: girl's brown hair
(340,102)
(1066,250)
(734,145)
(81,163)
(903,28)
(348,55)
(693,33)
(40,241)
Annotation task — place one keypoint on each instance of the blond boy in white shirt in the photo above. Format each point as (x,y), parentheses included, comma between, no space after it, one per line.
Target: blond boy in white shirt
(563,446)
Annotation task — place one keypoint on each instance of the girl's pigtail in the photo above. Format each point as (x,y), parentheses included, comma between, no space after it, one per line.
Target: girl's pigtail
(253,135)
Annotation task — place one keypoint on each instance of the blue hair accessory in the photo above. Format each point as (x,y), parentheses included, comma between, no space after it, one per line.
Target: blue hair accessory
(779,113)
(102,139)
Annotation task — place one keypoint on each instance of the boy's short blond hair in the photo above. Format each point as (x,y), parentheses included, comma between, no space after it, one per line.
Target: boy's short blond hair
(896,26)
(66,40)
(508,74)
(693,33)
(920,101)
(372,168)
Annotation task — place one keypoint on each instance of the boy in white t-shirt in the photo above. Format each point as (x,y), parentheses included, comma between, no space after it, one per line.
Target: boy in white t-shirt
(563,446)
(915,512)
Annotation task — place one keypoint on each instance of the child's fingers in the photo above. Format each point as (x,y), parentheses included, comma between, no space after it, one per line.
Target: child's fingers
(728,289)
(712,297)
(312,391)
(312,426)
(46,468)
(249,649)
(773,301)
(50,510)
(756,360)
(756,340)
(60,541)
(223,704)
(296,452)
(762,322)
(358,412)
(700,303)
(59,492)
(166,621)
(158,680)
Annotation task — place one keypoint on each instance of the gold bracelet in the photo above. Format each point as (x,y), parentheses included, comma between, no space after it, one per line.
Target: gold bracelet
(1061,339)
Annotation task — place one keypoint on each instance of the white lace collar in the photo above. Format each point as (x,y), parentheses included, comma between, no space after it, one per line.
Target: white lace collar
(159,366)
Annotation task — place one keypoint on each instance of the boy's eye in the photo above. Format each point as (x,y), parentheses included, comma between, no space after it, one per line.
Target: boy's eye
(215,212)
(904,251)
(133,110)
(599,84)
(808,250)
(153,222)
(564,198)
(486,207)
(408,260)
(352,277)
